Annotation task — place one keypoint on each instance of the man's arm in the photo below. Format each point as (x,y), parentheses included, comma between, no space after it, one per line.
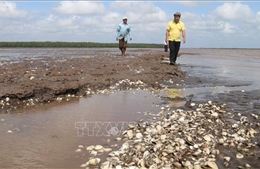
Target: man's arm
(129,33)
(118,31)
(183,36)
(167,36)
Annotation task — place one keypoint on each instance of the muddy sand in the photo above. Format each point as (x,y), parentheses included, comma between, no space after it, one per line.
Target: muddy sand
(54,76)
(33,81)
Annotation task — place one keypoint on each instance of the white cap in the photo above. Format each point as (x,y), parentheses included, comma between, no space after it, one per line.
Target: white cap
(124,18)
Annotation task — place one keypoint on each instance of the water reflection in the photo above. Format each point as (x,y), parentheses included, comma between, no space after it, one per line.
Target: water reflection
(175,97)
(228,68)
(46,136)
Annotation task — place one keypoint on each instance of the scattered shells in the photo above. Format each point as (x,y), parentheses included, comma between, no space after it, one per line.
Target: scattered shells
(78,151)
(211,164)
(179,139)
(207,138)
(163,137)
(130,134)
(247,166)
(197,166)
(107,149)
(131,126)
(90,148)
(98,147)
(9,131)
(214,114)
(239,155)
(227,159)
(80,146)
(94,161)
(83,165)
(221,141)
(59,99)
(93,153)
(139,135)
(215,152)
(118,139)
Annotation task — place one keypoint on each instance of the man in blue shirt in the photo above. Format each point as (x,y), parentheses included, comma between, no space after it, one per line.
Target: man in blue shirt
(123,34)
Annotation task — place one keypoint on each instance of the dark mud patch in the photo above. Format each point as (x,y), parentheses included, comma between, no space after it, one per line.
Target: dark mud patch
(44,79)
(243,101)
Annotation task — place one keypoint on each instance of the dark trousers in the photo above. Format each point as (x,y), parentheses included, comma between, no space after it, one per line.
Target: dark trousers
(174,49)
(165,48)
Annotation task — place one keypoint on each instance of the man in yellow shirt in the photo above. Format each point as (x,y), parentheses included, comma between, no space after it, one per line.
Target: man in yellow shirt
(173,30)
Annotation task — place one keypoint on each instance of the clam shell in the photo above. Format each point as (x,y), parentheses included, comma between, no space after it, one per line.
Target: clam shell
(78,150)
(239,155)
(207,138)
(139,135)
(98,147)
(211,164)
(83,165)
(94,161)
(90,148)
(227,158)
(80,146)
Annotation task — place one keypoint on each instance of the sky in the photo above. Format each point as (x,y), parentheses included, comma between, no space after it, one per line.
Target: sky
(209,24)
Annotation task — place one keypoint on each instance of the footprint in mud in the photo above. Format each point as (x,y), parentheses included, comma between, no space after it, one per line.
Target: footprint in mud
(54,136)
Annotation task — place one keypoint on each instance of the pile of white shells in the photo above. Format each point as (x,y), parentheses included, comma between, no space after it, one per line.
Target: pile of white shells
(124,84)
(6,102)
(181,139)
(128,83)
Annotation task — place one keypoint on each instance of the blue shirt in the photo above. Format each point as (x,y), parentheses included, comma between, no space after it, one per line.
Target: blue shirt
(123,31)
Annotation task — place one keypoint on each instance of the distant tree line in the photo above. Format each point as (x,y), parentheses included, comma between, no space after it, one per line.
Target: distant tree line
(49,44)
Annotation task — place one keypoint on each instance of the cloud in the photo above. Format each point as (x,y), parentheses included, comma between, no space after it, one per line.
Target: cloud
(90,21)
(188,3)
(57,24)
(9,10)
(208,23)
(226,27)
(241,18)
(234,11)
(73,27)
(147,21)
(258,19)
(79,8)
(140,12)
(13,21)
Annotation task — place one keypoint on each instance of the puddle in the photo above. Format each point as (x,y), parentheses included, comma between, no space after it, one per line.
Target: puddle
(46,136)
(231,68)
(232,76)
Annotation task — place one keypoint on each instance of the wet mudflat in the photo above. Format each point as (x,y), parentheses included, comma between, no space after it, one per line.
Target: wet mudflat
(46,136)
(44,79)
(232,79)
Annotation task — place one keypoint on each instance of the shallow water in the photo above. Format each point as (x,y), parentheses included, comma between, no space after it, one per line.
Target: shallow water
(244,69)
(229,75)
(234,81)
(46,136)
